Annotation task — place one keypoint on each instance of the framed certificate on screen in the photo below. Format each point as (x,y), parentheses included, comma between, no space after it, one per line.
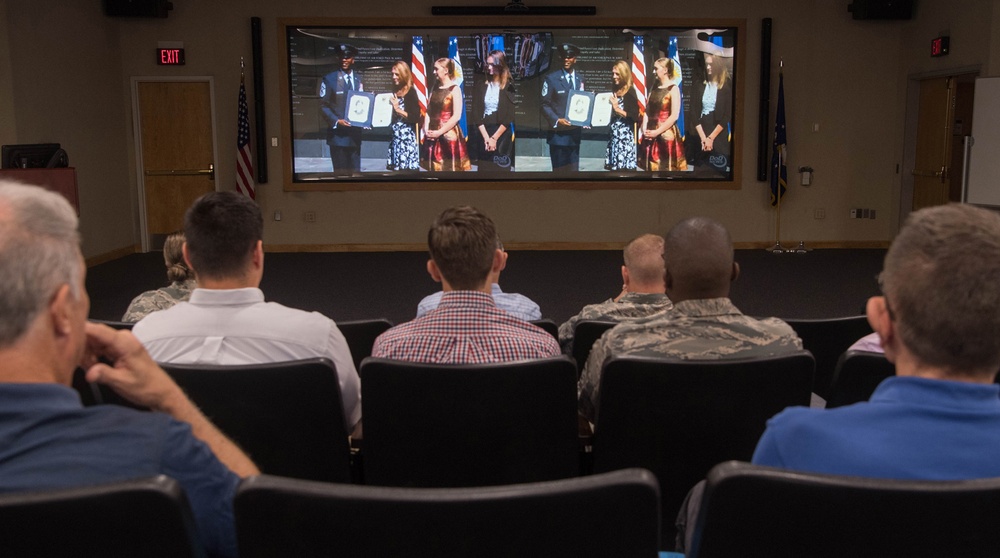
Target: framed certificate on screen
(360,106)
(579,107)
(602,109)
(382,112)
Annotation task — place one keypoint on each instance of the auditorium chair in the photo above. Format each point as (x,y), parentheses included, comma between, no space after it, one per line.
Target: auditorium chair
(441,425)
(750,511)
(585,334)
(680,418)
(827,339)
(287,416)
(360,336)
(856,376)
(614,514)
(147,517)
(549,326)
(114,324)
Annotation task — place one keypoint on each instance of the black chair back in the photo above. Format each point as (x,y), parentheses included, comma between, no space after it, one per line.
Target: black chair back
(749,510)
(288,416)
(827,339)
(147,517)
(680,418)
(438,425)
(360,336)
(857,375)
(115,324)
(549,326)
(615,514)
(585,334)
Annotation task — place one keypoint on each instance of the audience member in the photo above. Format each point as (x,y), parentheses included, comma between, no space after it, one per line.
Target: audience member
(226,321)
(48,440)
(703,324)
(467,327)
(181,279)
(939,323)
(871,343)
(515,304)
(643,291)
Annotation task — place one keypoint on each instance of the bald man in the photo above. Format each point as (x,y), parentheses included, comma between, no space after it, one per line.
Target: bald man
(703,324)
(643,292)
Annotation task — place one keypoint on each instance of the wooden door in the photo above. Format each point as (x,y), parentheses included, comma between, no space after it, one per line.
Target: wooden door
(177,152)
(931,171)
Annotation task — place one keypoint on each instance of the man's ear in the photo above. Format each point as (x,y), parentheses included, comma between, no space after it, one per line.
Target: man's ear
(499,260)
(625,276)
(258,255)
(60,311)
(877,312)
(736,272)
(433,270)
(187,258)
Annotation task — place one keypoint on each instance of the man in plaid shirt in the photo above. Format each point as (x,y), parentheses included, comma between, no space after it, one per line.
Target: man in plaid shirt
(467,327)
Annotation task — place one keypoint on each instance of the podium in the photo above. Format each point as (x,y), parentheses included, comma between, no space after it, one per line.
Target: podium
(62,180)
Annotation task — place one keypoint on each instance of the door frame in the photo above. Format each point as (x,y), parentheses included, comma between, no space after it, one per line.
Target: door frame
(137,139)
(910,134)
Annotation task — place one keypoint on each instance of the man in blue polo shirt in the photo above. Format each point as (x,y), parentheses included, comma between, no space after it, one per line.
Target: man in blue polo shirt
(48,440)
(939,322)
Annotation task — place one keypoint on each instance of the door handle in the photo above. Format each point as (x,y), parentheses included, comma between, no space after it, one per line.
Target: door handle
(210,172)
(942,174)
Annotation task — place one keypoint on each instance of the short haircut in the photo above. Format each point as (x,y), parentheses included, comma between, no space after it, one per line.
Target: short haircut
(698,253)
(173,257)
(222,230)
(643,257)
(39,252)
(462,241)
(940,280)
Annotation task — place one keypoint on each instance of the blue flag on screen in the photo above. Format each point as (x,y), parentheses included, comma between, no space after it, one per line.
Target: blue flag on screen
(459,79)
(779,170)
(672,54)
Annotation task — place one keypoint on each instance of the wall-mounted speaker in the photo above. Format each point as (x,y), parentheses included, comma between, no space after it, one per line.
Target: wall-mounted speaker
(881,9)
(137,8)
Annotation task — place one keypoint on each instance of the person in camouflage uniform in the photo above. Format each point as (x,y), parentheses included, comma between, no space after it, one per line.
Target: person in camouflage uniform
(703,324)
(643,292)
(181,283)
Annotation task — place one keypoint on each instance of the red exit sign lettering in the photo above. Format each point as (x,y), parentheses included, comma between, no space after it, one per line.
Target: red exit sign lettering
(170,56)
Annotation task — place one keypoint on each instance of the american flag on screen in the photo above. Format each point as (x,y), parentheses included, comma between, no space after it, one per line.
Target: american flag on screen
(419,71)
(244,161)
(639,72)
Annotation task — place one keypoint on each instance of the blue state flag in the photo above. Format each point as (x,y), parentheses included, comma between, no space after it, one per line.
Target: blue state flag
(459,80)
(672,54)
(779,170)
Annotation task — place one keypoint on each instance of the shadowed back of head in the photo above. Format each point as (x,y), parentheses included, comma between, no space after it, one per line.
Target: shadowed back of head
(698,254)
(221,230)
(940,281)
(173,257)
(462,242)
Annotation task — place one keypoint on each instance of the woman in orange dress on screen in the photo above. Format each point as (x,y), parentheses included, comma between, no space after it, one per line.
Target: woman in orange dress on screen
(661,148)
(444,147)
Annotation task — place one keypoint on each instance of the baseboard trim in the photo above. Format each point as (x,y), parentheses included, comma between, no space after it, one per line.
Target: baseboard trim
(540,246)
(112,255)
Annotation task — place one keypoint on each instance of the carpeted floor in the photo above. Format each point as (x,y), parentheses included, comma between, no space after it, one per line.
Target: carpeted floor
(359,285)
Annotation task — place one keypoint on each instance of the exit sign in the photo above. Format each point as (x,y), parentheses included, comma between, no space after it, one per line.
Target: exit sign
(939,46)
(170,56)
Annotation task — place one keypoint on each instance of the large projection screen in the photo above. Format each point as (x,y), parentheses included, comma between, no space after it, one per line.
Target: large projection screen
(506,103)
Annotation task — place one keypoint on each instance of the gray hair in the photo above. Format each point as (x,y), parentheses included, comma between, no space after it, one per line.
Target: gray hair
(940,281)
(39,252)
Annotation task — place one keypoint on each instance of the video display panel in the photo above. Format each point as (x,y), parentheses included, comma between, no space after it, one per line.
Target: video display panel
(550,106)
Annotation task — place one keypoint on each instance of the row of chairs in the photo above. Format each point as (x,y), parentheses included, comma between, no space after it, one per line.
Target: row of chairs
(747,510)
(493,424)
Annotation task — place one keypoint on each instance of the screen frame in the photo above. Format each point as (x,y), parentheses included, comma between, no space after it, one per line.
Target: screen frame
(470,181)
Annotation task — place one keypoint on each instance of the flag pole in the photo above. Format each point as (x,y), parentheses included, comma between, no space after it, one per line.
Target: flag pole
(777,248)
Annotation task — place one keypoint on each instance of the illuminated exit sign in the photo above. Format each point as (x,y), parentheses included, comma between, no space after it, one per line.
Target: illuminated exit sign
(170,56)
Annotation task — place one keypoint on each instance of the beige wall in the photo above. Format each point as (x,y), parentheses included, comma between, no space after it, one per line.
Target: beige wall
(847,78)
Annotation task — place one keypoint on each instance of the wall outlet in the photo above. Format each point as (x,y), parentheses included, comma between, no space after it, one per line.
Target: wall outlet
(819,213)
(854,214)
(277,214)
(309,216)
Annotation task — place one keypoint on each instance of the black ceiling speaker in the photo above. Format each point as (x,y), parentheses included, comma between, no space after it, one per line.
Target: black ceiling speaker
(137,8)
(881,9)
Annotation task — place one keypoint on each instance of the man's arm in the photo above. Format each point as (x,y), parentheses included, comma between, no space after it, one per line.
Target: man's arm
(134,375)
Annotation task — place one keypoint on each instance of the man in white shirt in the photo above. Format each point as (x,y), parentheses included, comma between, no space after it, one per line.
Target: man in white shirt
(226,321)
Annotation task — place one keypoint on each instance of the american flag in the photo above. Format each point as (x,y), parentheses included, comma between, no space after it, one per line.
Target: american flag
(244,161)
(419,71)
(639,72)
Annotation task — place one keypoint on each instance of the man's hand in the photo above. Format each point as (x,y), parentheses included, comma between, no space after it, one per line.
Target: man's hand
(131,372)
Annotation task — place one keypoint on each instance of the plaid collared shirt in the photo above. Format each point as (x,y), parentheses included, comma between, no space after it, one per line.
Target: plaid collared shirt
(466,328)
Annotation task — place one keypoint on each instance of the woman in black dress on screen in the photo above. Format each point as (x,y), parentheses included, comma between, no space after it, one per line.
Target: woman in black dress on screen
(624,114)
(403,150)
(492,144)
